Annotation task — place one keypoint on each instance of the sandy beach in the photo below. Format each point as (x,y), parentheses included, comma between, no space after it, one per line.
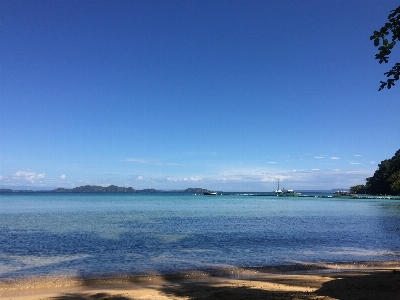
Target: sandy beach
(312,281)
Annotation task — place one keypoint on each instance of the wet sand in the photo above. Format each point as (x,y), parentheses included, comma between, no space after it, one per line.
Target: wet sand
(369,280)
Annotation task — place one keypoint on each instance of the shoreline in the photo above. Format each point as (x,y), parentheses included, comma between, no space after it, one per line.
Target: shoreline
(367,280)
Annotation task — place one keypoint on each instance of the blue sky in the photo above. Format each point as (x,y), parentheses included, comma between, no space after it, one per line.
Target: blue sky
(225,95)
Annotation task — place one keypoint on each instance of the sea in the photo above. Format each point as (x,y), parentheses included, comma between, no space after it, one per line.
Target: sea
(90,235)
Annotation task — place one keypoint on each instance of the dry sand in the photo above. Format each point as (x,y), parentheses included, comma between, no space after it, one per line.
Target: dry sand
(354,281)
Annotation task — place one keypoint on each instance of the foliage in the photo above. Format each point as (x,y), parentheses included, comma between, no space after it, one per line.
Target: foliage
(358,189)
(394,180)
(381,40)
(386,180)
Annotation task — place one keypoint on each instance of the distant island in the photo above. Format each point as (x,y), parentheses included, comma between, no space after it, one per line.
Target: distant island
(102,189)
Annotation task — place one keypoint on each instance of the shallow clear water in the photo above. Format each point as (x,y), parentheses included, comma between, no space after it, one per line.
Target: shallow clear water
(104,234)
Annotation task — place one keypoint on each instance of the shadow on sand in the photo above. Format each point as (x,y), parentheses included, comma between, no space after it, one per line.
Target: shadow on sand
(343,286)
(376,285)
(97,296)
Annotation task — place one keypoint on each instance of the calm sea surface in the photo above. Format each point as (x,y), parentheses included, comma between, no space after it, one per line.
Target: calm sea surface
(106,234)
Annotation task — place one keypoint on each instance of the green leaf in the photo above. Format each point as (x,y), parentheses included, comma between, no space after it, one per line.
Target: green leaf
(389,32)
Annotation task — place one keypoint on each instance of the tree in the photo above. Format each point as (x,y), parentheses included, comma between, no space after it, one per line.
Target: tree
(386,180)
(381,40)
(358,189)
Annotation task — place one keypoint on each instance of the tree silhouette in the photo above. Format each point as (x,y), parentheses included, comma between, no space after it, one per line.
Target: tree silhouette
(386,179)
(382,41)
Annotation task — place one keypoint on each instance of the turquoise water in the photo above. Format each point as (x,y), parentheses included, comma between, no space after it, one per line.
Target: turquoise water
(108,234)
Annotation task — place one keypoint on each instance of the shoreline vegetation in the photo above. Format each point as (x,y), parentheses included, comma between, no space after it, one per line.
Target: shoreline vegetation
(358,280)
(385,181)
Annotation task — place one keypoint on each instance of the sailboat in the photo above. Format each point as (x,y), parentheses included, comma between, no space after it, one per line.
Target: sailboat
(285,193)
(278,191)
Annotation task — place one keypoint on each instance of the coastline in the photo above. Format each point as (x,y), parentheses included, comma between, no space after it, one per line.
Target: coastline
(358,280)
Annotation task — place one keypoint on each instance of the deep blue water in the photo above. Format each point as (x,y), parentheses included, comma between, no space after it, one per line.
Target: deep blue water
(104,234)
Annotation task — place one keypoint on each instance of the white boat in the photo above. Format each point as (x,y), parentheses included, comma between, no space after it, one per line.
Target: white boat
(278,191)
(285,193)
(210,193)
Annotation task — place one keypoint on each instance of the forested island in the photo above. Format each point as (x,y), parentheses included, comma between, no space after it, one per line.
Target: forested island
(385,181)
(118,189)
(108,189)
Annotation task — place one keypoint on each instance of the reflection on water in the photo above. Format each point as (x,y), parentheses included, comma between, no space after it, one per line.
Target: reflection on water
(104,234)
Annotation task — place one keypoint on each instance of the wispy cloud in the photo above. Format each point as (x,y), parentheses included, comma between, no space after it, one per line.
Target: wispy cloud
(301,179)
(135,160)
(184,179)
(150,162)
(319,157)
(259,180)
(234,179)
(334,157)
(252,175)
(203,153)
